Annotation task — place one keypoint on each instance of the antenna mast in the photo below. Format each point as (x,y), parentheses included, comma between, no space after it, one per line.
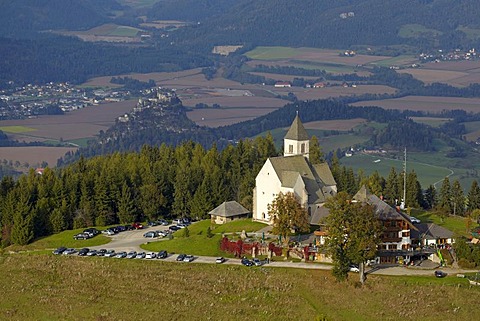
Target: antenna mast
(402,205)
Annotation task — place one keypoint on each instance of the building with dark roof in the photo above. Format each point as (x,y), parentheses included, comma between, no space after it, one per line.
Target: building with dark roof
(227,212)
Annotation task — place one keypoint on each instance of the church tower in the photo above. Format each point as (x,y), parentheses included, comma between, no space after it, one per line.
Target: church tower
(296,141)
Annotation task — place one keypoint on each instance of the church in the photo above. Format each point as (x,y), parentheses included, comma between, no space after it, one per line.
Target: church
(312,184)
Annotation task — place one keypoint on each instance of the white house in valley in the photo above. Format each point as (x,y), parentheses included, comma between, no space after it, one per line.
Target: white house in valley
(312,184)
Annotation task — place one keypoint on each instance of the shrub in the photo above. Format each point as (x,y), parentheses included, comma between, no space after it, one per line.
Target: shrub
(465,264)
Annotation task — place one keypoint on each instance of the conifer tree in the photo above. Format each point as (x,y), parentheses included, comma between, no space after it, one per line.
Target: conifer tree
(445,197)
(458,199)
(316,154)
(474,197)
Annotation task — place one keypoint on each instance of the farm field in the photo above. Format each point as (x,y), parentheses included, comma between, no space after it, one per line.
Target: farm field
(108,32)
(74,127)
(431,121)
(427,174)
(456,73)
(473,131)
(425,103)
(34,155)
(35,287)
(341,125)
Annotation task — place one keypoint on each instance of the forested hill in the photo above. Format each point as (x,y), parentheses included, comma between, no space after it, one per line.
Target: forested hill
(189,10)
(19,16)
(343,23)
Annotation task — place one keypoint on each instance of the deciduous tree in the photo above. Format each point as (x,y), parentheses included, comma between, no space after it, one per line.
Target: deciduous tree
(353,234)
(288,216)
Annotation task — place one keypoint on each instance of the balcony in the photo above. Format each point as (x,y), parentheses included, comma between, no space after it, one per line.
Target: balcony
(391,240)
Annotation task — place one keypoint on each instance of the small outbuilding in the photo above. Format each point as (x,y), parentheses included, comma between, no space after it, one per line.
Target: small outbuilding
(228,211)
(430,234)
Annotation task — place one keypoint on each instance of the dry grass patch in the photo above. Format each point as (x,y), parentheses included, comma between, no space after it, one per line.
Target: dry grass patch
(46,287)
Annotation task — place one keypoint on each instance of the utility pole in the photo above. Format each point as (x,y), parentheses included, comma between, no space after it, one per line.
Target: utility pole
(404,201)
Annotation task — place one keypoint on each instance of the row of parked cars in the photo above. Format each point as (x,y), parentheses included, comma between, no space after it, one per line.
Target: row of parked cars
(111,253)
(86,234)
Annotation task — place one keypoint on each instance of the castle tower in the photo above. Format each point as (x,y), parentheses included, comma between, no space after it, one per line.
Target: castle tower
(296,141)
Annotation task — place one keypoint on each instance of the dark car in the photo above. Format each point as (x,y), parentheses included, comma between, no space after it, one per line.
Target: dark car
(174,228)
(181,257)
(162,222)
(59,251)
(247,262)
(101,252)
(91,231)
(440,274)
(119,228)
(152,223)
(128,228)
(162,254)
(83,251)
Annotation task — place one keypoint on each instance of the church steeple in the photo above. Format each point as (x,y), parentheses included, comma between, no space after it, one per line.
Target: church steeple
(296,141)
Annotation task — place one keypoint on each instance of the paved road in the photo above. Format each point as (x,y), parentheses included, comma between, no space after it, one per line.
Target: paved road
(131,241)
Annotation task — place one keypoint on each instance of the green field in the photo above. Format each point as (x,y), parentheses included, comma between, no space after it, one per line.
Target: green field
(456,224)
(64,238)
(16,129)
(427,174)
(124,31)
(431,121)
(472,34)
(416,31)
(396,61)
(272,53)
(48,287)
(330,68)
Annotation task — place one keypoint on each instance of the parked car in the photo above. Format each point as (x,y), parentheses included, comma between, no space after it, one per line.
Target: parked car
(81,236)
(180,257)
(129,227)
(83,251)
(110,253)
(174,228)
(220,260)
(150,255)
(92,253)
(150,235)
(257,262)
(137,226)
(162,254)
(121,255)
(140,255)
(414,220)
(354,268)
(101,252)
(109,232)
(440,274)
(188,258)
(181,225)
(163,222)
(152,223)
(69,251)
(131,254)
(59,251)
(177,221)
(91,231)
(247,262)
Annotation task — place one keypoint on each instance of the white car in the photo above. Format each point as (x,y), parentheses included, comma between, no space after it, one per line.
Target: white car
(220,260)
(150,255)
(414,220)
(140,255)
(354,268)
(188,258)
(110,253)
(131,255)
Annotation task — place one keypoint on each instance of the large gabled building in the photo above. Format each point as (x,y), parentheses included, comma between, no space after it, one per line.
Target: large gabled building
(312,184)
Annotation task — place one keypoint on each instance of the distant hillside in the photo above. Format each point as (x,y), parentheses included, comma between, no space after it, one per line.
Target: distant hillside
(20,16)
(189,10)
(344,23)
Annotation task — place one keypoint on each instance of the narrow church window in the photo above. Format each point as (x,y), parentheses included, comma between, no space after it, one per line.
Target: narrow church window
(302,148)
(290,149)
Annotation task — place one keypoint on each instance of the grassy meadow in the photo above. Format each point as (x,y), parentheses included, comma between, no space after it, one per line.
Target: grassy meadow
(48,287)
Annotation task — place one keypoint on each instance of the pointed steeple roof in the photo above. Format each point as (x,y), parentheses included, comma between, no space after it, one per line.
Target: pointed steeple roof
(297,131)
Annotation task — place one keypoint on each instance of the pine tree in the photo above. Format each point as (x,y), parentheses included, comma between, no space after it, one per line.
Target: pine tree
(414,191)
(431,197)
(316,154)
(126,206)
(392,193)
(445,197)
(458,199)
(474,197)
(23,228)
